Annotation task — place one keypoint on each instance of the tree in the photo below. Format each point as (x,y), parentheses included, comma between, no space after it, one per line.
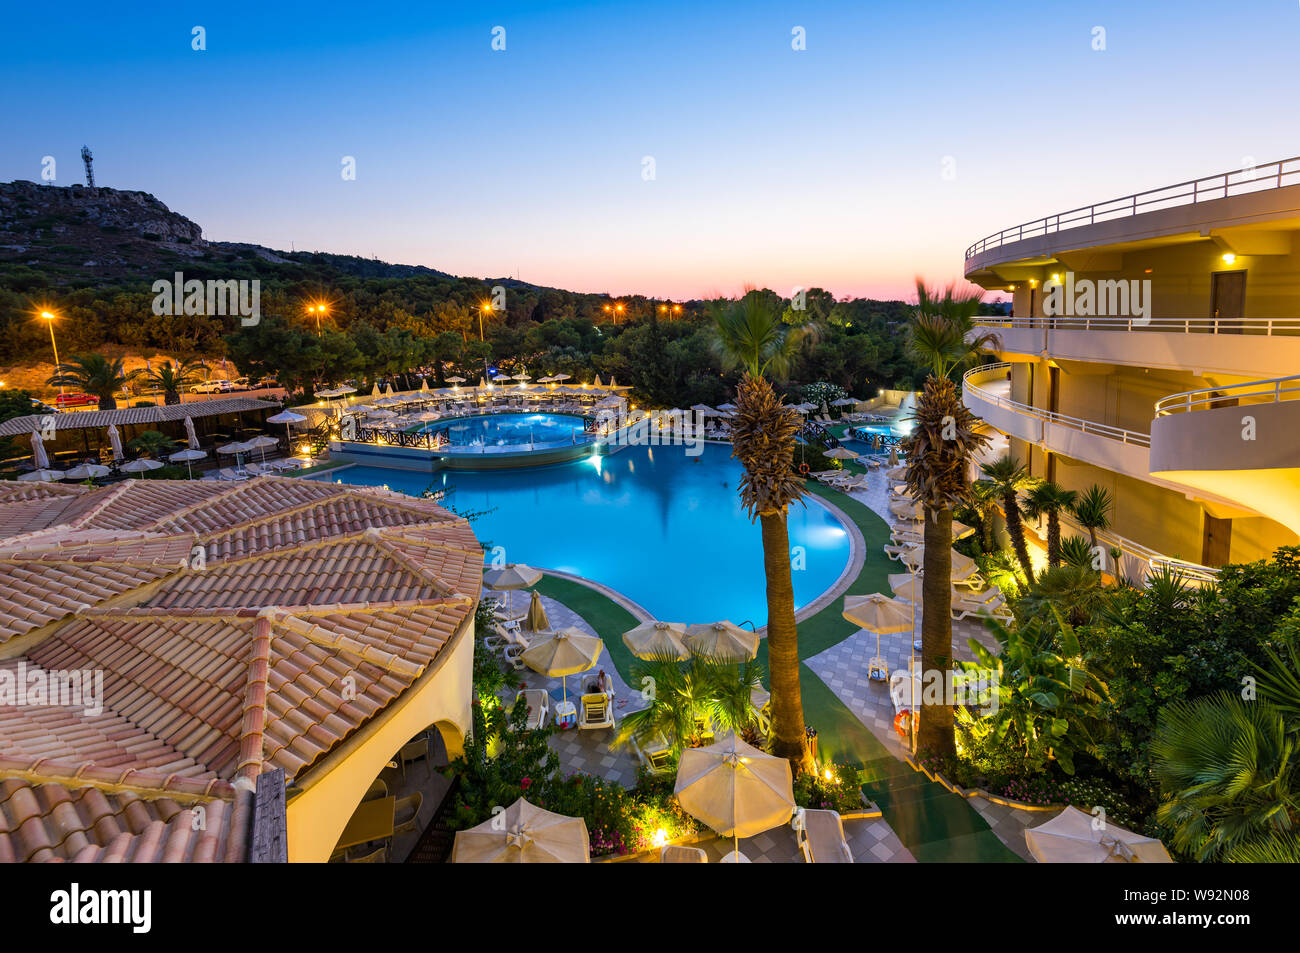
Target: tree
(1092,510)
(750,335)
(1010,478)
(939,450)
(1050,500)
(152,444)
(174,379)
(94,374)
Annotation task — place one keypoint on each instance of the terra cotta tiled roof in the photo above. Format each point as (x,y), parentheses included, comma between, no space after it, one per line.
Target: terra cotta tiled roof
(312,608)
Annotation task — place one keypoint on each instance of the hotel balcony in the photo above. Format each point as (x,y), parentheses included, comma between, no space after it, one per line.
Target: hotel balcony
(1245,347)
(1240,443)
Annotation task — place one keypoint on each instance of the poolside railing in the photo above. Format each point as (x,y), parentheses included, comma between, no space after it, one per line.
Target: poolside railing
(1201,325)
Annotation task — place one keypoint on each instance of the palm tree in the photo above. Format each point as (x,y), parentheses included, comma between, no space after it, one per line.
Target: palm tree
(1010,478)
(983,496)
(1050,499)
(1092,510)
(173,379)
(153,444)
(939,450)
(94,374)
(749,334)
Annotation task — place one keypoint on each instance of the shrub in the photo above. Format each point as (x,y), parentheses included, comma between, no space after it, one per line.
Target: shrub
(837,788)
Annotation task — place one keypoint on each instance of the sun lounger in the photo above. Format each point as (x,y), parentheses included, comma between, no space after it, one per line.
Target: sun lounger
(514,647)
(994,608)
(596,712)
(899,693)
(539,705)
(226,473)
(821,836)
(677,854)
(655,755)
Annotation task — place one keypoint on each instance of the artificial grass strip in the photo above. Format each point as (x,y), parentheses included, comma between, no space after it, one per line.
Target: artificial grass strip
(607,617)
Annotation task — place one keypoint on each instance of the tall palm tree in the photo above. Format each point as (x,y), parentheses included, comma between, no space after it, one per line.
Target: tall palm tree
(1092,510)
(1010,478)
(1050,500)
(749,334)
(94,374)
(173,379)
(940,449)
(983,496)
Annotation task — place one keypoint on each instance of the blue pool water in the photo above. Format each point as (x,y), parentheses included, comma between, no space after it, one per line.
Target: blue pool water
(512,430)
(665,529)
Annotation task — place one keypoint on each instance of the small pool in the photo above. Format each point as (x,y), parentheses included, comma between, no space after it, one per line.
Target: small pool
(511,431)
(663,528)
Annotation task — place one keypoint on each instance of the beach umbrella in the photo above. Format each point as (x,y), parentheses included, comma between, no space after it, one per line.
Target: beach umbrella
(187,457)
(344,390)
(961,529)
(191,438)
(455,380)
(727,407)
(826,411)
(287,417)
(86,471)
(722,641)
(561,654)
(261,443)
(805,407)
(524,834)
(881,615)
(382,414)
(42,476)
(39,456)
(653,640)
(375,391)
(141,465)
(844,402)
(906,585)
(536,619)
(521,377)
(893,457)
(735,789)
(510,577)
(237,448)
(1073,837)
(388,389)
(703,409)
(115,442)
(596,382)
(424,385)
(841,453)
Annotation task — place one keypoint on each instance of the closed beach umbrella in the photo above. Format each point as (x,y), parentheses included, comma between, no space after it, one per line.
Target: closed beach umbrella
(654,640)
(187,457)
(563,653)
(142,465)
(722,641)
(39,456)
(86,471)
(375,391)
(735,789)
(192,438)
(524,834)
(537,620)
(1073,837)
(424,385)
(115,442)
(42,476)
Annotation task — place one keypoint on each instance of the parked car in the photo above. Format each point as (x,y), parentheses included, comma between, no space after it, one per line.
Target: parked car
(266,382)
(241,383)
(75,399)
(214,387)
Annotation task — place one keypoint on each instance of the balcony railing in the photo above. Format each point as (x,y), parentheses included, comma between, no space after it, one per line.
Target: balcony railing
(1231,395)
(1274,175)
(1132,437)
(1258,326)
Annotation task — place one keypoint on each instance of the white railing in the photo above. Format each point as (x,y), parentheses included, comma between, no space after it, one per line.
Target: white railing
(1258,326)
(1253,392)
(1131,437)
(1274,175)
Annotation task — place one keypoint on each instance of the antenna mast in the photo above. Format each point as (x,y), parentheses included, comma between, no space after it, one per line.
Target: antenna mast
(88,159)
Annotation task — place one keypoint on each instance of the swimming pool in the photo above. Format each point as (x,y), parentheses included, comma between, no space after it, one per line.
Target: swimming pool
(664,529)
(511,430)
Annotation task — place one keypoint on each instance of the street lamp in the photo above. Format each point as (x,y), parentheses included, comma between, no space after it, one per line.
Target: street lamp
(485,306)
(674,310)
(318,310)
(614,310)
(49,317)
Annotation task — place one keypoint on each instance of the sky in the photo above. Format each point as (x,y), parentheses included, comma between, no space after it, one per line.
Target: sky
(899,135)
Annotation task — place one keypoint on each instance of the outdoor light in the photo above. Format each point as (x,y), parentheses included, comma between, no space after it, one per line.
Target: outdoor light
(1056,277)
(1229,258)
(661,837)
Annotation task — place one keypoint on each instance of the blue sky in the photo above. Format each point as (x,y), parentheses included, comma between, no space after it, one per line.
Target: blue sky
(773,167)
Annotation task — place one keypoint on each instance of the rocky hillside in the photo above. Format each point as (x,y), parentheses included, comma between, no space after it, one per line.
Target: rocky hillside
(82,236)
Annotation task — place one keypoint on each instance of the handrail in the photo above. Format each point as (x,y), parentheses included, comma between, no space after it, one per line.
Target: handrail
(1131,437)
(1255,326)
(1211,187)
(1210,398)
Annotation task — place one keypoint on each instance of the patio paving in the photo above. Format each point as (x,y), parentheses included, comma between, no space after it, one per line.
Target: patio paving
(870,841)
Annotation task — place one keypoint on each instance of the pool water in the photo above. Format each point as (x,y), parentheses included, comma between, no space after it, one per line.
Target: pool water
(512,430)
(665,529)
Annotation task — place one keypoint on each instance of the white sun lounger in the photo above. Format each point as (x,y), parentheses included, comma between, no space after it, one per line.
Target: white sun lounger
(821,837)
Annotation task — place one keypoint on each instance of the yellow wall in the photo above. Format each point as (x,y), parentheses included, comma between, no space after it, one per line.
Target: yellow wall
(333,789)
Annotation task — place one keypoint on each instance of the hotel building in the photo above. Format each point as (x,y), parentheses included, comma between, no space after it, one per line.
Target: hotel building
(1154,349)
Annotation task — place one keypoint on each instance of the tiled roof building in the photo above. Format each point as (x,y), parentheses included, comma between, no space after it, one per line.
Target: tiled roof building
(278,623)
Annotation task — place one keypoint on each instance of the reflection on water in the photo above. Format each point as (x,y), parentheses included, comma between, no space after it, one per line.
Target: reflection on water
(665,529)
